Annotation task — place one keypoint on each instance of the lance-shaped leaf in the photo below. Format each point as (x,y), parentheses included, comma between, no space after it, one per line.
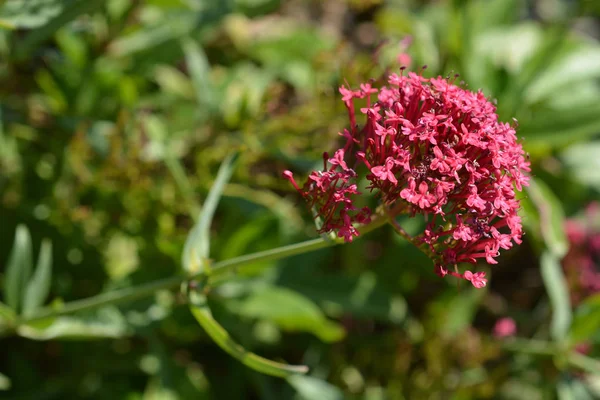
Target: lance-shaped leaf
(551,217)
(105,323)
(219,335)
(197,245)
(558,292)
(199,70)
(38,286)
(18,269)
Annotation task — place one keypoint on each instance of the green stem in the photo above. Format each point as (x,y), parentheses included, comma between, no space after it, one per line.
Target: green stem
(217,269)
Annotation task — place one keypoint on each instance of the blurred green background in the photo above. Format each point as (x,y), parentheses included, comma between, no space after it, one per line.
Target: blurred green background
(115,116)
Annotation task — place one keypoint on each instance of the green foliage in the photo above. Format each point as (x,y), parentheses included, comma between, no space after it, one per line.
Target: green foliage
(118,120)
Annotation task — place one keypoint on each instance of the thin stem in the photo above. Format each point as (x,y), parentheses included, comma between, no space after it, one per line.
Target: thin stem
(218,269)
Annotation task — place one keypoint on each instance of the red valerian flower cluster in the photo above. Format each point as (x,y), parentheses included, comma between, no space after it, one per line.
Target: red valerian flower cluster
(582,261)
(431,148)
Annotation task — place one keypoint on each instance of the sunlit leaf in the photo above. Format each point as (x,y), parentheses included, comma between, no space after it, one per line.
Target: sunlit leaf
(583,162)
(311,388)
(5,382)
(68,12)
(199,71)
(572,389)
(558,292)
(174,25)
(583,362)
(550,215)
(38,286)
(18,269)
(28,14)
(106,323)
(580,64)
(197,245)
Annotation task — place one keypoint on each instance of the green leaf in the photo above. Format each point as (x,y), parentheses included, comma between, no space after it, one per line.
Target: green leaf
(311,388)
(219,335)
(173,25)
(39,286)
(70,11)
(486,14)
(18,269)
(584,362)
(579,64)
(551,217)
(586,322)
(363,296)
(29,14)
(173,81)
(199,70)
(106,323)
(582,161)
(197,245)
(558,292)
(291,311)
(4,382)
(552,128)
(572,389)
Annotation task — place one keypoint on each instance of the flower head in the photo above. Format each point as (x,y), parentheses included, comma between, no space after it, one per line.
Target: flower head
(431,148)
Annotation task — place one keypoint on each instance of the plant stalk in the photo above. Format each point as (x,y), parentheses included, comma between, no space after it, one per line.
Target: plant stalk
(217,269)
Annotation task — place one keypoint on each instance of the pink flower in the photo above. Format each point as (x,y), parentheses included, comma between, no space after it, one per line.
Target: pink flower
(385,171)
(433,148)
(505,327)
(477,279)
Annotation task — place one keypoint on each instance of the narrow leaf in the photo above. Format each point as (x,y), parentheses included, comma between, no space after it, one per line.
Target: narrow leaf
(220,336)
(18,269)
(572,389)
(310,388)
(584,362)
(4,382)
(39,285)
(199,70)
(71,11)
(579,64)
(556,286)
(583,163)
(197,245)
(551,217)
(105,323)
